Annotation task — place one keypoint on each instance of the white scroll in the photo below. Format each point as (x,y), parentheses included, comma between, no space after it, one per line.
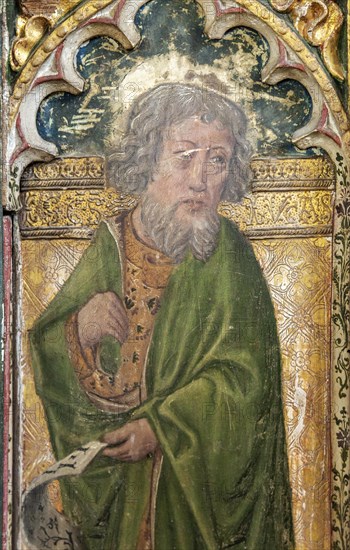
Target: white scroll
(42,525)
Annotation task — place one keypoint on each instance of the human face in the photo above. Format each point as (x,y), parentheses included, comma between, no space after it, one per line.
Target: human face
(193,166)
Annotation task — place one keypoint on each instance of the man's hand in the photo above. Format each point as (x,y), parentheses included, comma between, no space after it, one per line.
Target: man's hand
(132,442)
(103,315)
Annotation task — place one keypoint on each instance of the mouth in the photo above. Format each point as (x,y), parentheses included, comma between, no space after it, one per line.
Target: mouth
(194,204)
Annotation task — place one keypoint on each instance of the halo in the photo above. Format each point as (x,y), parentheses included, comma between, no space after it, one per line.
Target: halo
(174,68)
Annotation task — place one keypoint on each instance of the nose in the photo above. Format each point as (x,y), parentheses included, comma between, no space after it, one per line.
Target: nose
(197,176)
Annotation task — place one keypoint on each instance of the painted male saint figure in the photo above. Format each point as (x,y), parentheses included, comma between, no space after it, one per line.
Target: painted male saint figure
(163,342)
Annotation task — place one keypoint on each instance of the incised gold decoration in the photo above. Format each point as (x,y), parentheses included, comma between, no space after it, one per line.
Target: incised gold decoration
(298,273)
(292,174)
(298,210)
(267,173)
(320,23)
(288,211)
(46,266)
(262,213)
(69,172)
(68,197)
(28,33)
(70,208)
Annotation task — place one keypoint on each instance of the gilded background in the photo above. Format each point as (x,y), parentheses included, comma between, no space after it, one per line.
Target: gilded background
(288,215)
(297,267)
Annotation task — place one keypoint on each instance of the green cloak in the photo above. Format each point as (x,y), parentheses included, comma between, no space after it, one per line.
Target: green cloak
(214,402)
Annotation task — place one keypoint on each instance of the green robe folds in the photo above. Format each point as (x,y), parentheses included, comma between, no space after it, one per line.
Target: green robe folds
(214,402)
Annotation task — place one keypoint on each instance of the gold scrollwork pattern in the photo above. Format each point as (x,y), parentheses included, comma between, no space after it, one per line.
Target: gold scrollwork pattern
(299,274)
(299,212)
(320,23)
(67,198)
(70,208)
(291,173)
(294,211)
(70,172)
(46,266)
(274,173)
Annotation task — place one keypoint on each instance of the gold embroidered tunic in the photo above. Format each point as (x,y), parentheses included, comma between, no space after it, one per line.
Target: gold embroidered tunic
(146,273)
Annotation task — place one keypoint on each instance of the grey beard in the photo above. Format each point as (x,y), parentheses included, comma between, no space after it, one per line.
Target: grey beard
(175,237)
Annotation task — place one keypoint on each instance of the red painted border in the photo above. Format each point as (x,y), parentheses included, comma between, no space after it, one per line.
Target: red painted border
(284,62)
(323,127)
(24,144)
(222,11)
(7,285)
(59,71)
(108,20)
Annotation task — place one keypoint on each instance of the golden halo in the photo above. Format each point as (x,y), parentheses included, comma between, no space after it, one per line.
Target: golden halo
(175,68)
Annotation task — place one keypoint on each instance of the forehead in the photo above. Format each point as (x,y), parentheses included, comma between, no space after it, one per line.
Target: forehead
(200,133)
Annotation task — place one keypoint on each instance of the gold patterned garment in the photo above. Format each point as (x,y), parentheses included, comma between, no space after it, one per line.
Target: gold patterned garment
(146,273)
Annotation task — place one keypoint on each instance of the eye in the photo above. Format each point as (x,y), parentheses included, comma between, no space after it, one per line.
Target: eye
(218,160)
(184,155)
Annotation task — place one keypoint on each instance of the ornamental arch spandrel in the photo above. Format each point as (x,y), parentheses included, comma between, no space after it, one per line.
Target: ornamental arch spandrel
(78,69)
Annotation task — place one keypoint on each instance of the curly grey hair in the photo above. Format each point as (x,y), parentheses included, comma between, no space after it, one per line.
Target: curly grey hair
(131,165)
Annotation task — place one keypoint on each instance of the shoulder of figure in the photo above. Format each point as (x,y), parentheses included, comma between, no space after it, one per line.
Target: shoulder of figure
(240,258)
(238,248)
(232,232)
(110,228)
